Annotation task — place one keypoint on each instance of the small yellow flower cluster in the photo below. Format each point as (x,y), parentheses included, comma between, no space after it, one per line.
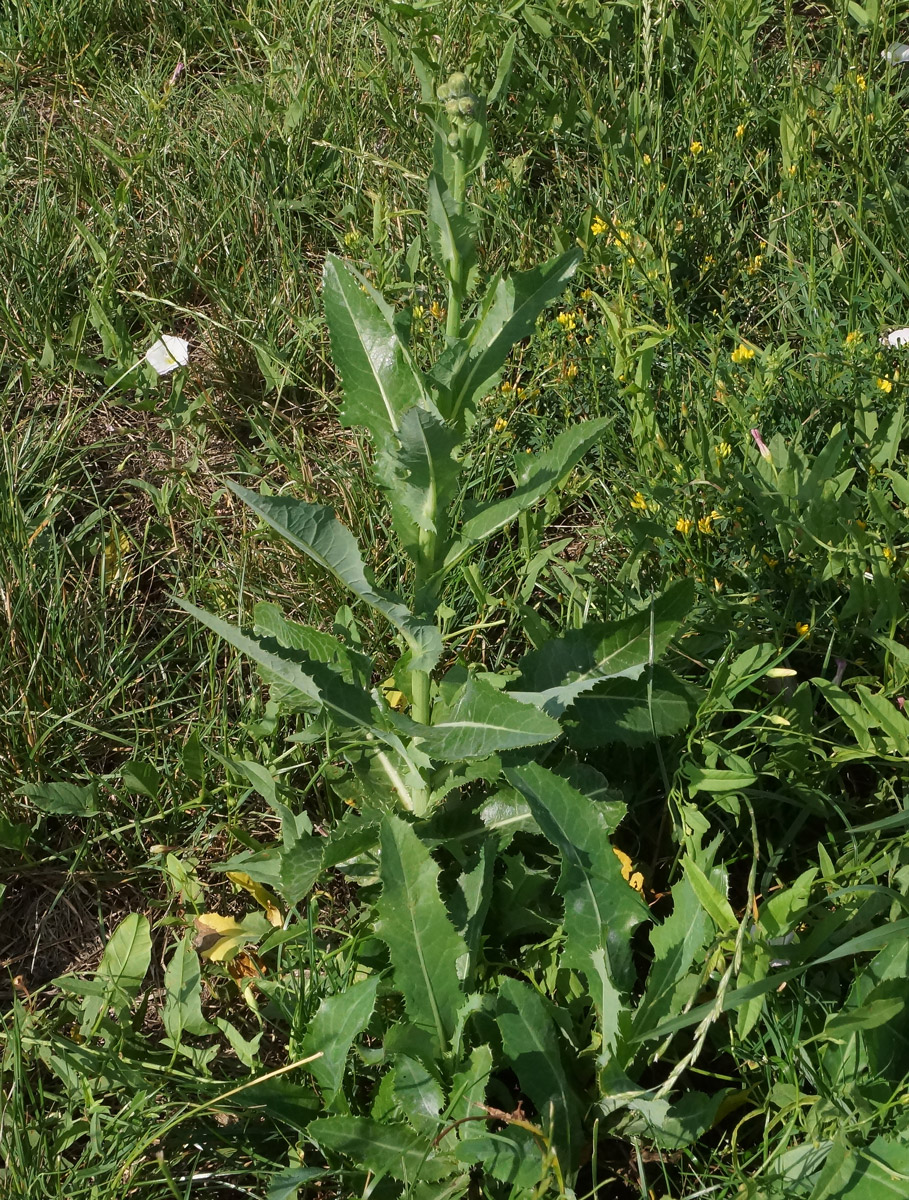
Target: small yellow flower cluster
(352,238)
(684,526)
(647,160)
(707,262)
(742,353)
(419,312)
(740,132)
(501,425)
(569,371)
(696,148)
(587,294)
(755,264)
(793,171)
(598,227)
(888,554)
(506,387)
(437,311)
(802,628)
(861,83)
(705,524)
(723,450)
(567,321)
(638,503)
(853,337)
(885,385)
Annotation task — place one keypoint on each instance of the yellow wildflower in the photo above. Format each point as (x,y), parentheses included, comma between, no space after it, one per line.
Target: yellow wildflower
(723,450)
(587,294)
(861,83)
(638,503)
(793,171)
(853,337)
(567,321)
(506,387)
(569,370)
(802,628)
(740,132)
(598,226)
(771,562)
(885,385)
(705,525)
(501,425)
(436,310)
(696,148)
(742,353)
(647,160)
(755,264)
(888,554)
(684,525)
(418,311)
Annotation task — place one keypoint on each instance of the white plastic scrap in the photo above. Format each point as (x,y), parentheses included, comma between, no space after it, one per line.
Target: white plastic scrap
(168,353)
(896,338)
(897,52)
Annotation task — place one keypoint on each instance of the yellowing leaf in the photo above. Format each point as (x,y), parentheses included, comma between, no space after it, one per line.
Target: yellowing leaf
(114,549)
(632,877)
(261,895)
(221,938)
(393,697)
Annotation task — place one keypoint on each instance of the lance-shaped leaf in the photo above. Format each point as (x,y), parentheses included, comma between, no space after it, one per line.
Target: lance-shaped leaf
(451,234)
(383,1147)
(601,910)
(632,711)
(420,475)
(122,968)
(270,621)
(508,315)
(563,668)
(538,476)
(676,943)
(340,1019)
(349,705)
(482,721)
(316,531)
(379,377)
(531,1044)
(413,923)
(182,1010)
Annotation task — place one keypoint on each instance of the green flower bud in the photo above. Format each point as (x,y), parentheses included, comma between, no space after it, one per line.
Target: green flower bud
(453,141)
(467,106)
(443,91)
(451,106)
(458,84)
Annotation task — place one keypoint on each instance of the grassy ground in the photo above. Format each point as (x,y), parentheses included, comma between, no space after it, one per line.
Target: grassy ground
(736,175)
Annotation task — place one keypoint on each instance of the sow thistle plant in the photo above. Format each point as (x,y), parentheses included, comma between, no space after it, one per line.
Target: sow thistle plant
(479,836)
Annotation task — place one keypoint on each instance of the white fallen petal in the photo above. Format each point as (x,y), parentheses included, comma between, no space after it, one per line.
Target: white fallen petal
(168,353)
(896,52)
(899,337)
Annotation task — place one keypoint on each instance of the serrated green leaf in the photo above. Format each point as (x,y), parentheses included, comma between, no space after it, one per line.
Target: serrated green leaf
(531,1045)
(539,475)
(513,1156)
(385,1148)
(418,1094)
(712,900)
(316,531)
(601,909)
(182,1010)
(508,316)
(340,1018)
(379,377)
(348,705)
(413,922)
(676,945)
(270,622)
(468,1087)
(564,667)
(420,476)
(301,866)
(632,711)
(451,235)
(481,722)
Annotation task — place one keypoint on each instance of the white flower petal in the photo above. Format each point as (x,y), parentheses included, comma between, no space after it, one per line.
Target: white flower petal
(897,52)
(168,353)
(898,337)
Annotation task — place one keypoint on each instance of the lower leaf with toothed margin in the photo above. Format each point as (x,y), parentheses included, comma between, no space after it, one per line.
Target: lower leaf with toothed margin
(383,1147)
(531,1044)
(340,1018)
(601,910)
(422,942)
(480,722)
(316,531)
(348,705)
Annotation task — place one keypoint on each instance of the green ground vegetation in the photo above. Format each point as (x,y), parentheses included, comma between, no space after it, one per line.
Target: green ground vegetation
(452,733)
